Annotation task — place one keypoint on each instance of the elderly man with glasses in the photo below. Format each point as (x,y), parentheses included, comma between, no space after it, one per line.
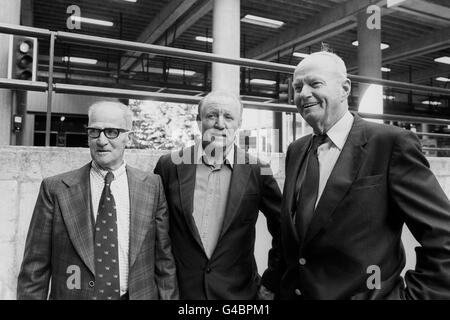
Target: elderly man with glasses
(100,232)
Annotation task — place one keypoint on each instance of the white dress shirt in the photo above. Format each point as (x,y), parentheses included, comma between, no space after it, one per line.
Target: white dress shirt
(329,152)
(121,194)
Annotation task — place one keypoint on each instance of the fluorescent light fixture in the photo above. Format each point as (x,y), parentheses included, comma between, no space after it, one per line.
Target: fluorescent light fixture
(79,60)
(432,103)
(384,69)
(442,79)
(175,72)
(92,21)
(444,59)
(204,39)
(393,3)
(300,54)
(260,21)
(382,45)
(263,82)
(130,0)
(388,97)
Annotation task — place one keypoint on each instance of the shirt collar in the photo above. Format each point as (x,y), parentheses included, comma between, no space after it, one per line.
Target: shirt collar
(117,173)
(338,133)
(229,156)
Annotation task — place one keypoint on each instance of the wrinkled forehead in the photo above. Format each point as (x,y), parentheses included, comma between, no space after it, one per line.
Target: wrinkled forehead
(221,102)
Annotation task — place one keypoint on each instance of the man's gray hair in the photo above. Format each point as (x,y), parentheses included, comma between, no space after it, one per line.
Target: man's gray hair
(127,114)
(217,94)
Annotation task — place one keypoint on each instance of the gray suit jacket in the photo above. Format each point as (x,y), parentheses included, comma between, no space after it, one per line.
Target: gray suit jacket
(60,238)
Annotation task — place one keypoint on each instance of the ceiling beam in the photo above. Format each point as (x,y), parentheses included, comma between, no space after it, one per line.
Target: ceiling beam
(426,11)
(160,24)
(331,22)
(430,42)
(196,14)
(424,75)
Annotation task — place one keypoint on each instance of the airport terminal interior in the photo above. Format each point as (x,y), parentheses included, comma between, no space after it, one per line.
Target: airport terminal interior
(64,54)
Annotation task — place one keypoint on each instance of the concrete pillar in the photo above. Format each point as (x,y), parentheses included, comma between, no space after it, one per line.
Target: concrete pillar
(369,64)
(9,13)
(226,35)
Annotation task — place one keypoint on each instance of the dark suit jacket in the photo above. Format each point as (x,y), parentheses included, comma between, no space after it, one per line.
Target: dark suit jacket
(61,235)
(381,180)
(231,273)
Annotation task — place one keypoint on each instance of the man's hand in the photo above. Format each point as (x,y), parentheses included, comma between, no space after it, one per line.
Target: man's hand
(265,294)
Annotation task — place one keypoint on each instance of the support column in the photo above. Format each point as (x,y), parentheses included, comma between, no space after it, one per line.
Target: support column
(9,13)
(226,35)
(369,65)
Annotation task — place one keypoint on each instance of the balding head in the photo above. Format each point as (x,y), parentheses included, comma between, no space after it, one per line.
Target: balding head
(112,111)
(321,90)
(333,62)
(222,97)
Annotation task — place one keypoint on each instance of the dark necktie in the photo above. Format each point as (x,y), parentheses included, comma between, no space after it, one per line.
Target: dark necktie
(308,183)
(106,254)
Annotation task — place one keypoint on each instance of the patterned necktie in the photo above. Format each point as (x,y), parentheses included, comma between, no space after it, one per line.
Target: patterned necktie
(106,254)
(308,186)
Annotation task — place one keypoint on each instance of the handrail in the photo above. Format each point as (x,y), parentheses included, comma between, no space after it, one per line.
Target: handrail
(198,55)
(23,85)
(24,31)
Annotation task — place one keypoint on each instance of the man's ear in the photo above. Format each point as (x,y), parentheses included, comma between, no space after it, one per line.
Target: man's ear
(346,88)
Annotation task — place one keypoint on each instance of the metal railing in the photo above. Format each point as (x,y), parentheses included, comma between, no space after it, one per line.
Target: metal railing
(51,87)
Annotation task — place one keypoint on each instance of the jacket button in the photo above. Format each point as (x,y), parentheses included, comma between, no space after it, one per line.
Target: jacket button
(298,292)
(208,270)
(91,284)
(302,261)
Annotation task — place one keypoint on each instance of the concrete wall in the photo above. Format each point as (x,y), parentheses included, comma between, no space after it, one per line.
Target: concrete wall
(22,169)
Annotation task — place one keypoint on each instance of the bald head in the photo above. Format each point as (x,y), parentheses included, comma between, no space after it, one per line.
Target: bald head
(112,111)
(333,63)
(321,90)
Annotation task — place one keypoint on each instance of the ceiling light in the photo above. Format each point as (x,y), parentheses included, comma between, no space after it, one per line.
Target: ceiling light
(260,21)
(204,39)
(392,3)
(388,97)
(432,103)
(382,45)
(175,72)
(263,82)
(444,59)
(300,54)
(92,21)
(384,69)
(130,0)
(442,79)
(79,60)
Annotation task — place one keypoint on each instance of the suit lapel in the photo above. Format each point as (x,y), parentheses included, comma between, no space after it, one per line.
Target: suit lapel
(141,208)
(186,179)
(341,178)
(238,183)
(77,214)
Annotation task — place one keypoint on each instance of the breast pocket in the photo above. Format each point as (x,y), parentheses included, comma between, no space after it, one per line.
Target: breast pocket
(368,181)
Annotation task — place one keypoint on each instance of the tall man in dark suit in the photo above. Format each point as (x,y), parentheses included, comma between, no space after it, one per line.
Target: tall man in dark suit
(349,189)
(101,231)
(215,191)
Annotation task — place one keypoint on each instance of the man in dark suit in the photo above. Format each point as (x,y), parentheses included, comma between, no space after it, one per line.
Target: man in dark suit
(349,189)
(215,191)
(101,231)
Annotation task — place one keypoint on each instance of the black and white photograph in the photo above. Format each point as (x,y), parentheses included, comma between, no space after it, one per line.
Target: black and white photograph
(235,157)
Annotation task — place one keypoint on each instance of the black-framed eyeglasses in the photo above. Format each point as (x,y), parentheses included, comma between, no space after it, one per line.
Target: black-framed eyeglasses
(110,133)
